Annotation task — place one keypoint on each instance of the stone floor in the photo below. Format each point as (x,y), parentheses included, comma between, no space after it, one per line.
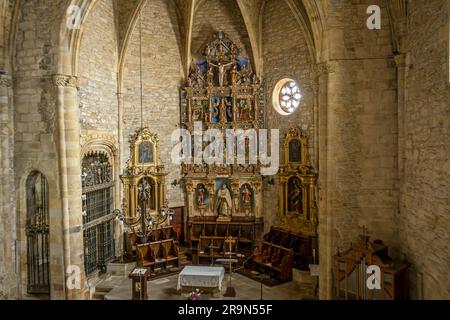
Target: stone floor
(301,288)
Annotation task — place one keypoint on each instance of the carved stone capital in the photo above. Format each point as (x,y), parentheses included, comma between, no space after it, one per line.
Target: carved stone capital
(325,68)
(61,80)
(5,81)
(402,60)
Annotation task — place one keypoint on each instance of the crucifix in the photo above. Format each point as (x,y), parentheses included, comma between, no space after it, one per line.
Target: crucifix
(230,241)
(221,66)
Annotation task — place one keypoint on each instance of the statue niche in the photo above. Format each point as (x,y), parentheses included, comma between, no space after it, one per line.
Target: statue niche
(224,204)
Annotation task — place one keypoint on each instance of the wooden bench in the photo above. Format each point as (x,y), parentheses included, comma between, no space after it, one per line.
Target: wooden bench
(243,231)
(160,234)
(145,257)
(302,245)
(277,260)
(159,254)
(170,250)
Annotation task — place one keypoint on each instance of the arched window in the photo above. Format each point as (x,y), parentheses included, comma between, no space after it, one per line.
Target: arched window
(37,233)
(286,96)
(98,218)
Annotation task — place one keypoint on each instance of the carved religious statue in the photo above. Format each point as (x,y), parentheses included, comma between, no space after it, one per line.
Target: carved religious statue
(295,197)
(246,195)
(224,203)
(222,68)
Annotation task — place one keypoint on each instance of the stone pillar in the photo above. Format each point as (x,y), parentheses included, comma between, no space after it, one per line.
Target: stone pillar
(70,169)
(325,229)
(8,284)
(120,125)
(402,62)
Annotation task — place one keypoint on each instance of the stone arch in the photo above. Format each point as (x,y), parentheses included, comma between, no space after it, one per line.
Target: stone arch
(70,39)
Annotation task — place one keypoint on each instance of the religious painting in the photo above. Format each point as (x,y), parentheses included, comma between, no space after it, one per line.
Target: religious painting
(216,106)
(145,153)
(200,110)
(295,151)
(295,196)
(245,109)
(247,198)
(201,195)
(229,108)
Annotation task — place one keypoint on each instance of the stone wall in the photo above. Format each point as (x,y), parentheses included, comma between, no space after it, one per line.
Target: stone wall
(219,15)
(97,70)
(8,285)
(35,131)
(285,55)
(358,172)
(424,222)
(162,74)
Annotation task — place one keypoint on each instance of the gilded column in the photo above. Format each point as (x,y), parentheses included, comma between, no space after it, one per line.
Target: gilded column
(70,170)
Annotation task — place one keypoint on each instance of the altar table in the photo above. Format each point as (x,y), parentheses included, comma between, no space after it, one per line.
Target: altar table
(201,277)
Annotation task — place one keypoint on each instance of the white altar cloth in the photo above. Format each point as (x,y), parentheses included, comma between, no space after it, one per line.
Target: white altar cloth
(201,277)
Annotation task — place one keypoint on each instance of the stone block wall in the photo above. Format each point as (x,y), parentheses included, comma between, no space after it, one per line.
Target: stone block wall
(358,172)
(424,221)
(285,55)
(35,122)
(8,285)
(219,15)
(97,70)
(162,78)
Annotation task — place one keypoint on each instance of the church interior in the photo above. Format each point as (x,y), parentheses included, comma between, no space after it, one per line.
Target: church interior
(224,149)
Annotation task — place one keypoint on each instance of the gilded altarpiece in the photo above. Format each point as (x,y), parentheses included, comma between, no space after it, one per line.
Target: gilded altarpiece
(297,179)
(222,92)
(144,164)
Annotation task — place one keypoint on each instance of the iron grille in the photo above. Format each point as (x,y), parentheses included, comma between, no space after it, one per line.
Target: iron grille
(37,233)
(98,193)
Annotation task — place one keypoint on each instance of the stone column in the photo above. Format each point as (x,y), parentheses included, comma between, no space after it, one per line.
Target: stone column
(325,229)
(70,170)
(119,185)
(402,61)
(8,284)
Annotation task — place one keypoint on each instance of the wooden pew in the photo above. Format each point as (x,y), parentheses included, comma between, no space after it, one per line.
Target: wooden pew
(159,254)
(170,251)
(145,257)
(302,245)
(277,260)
